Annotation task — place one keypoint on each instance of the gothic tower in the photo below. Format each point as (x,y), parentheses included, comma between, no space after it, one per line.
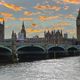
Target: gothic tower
(2,31)
(23,30)
(78,26)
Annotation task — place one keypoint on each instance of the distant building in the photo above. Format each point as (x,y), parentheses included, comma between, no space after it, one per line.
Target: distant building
(2,31)
(55,37)
(22,33)
(65,35)
(20,36)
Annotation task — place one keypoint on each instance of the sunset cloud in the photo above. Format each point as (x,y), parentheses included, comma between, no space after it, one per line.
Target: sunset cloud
(47,7)
(1,19)
(34,25)
(62,24)
(11,6)
(45,18)
(58,26)
(30,30)
(5,14)
(67,16)
(25,19)
(70,16)
(29,13)
(73,1)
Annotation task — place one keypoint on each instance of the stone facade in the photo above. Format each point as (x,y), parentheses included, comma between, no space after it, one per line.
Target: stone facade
(55,37)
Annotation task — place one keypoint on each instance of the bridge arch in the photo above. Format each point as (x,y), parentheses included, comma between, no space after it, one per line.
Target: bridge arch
(3,48)
(73,51)
(30,52)
(28,47)
(5,54)
(56,51)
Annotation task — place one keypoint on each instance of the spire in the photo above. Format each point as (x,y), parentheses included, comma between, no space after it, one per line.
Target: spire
(23,30)
(23,25)
(61,32)
(52,32)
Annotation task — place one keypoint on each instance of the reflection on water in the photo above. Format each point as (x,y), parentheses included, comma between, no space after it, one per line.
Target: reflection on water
(52,69)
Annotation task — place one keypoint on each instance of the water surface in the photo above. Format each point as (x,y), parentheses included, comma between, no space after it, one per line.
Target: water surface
(52,69)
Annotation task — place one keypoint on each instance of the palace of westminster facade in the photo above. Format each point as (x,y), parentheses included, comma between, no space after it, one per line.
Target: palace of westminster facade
(54,37)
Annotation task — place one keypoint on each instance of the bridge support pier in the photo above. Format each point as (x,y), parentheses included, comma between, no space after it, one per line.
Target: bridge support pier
(14,57)
(14,54)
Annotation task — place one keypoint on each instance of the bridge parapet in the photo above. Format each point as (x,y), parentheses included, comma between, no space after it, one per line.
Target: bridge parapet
(45,46)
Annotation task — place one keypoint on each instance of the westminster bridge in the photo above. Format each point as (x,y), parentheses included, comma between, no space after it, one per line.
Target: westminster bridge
(24,50)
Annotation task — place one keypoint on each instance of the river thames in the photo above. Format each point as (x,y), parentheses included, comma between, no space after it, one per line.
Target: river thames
(52,69)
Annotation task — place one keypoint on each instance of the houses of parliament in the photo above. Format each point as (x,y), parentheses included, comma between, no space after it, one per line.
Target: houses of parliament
(54,37)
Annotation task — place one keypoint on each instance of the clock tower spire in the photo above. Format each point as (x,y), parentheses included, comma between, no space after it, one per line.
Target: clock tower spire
(78,25)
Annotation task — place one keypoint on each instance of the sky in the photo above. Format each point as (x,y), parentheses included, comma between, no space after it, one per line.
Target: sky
(39,16)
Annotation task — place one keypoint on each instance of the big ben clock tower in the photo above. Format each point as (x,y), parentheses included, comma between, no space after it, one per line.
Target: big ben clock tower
(78,26)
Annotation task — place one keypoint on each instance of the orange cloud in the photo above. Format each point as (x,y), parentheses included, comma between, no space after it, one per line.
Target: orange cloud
(30,30)
(29,13)
(57,28)
(69,16)
(34,25)
(45,18)
(73,1)
(62,24)
(1,19)
(11,6)
(42,18)
(26,19)
(9,18)
(45,7)
(5,14)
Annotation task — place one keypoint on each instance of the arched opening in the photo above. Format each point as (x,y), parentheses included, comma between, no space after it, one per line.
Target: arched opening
(30,53)
(5,55)
(56,52)
(72,51)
